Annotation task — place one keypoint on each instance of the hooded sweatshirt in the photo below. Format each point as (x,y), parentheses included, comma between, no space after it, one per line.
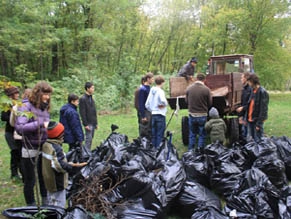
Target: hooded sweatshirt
(155,99)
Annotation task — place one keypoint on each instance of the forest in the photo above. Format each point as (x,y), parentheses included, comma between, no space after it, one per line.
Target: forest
(114,42)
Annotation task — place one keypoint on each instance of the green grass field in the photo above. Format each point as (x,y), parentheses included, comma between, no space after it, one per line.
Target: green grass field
(11,192)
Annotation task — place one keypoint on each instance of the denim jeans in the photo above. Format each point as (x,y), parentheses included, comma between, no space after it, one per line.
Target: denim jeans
(256,135)
(89,134)
(158,129)
(196,128)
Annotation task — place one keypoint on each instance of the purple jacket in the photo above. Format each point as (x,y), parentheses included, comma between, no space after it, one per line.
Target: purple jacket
(32,129)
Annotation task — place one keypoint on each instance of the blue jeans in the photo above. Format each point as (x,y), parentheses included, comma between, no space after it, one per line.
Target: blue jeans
(196,127)
(256,135)
(158,129)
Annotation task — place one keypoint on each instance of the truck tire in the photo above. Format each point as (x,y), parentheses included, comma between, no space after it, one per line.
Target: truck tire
(233,130)
(185,130)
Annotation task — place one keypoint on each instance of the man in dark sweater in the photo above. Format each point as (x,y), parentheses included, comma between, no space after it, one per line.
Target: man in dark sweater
(257,108)
(199,100)
(242,110)
(88,114)
(144,116)
(188,69)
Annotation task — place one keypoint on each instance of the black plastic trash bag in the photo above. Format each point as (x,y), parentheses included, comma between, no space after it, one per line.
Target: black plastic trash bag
(167,150)
(255,195)
(194,196)
(214,150)
(274,168)
(255,150)
(134,209)
(79,212)
(285,203)
(284,149)
(138,188)
(197,167)
(224,178)
(253,177)
(173,176)
(234,155)
(78,155)
(209,213)
(50,212)
(255,201)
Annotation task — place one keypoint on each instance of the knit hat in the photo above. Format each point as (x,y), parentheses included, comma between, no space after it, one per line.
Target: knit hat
(213,112)
(194,59)
(55,129)
(11,90)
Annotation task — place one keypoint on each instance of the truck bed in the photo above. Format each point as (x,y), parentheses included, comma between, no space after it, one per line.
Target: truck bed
(226,91)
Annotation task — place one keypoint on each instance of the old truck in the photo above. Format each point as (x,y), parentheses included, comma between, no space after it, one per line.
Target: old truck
(223,77)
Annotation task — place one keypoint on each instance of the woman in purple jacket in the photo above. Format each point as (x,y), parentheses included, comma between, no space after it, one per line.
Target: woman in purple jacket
(33,128)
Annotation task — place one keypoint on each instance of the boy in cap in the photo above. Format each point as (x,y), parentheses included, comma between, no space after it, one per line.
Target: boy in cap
(216,127)
(188,69)
(55,167)
(15,150)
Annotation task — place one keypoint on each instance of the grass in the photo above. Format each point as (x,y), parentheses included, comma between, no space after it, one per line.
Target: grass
(11,194)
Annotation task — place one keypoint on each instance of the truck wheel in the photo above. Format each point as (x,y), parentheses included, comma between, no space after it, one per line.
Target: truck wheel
(233,131)
(185,130)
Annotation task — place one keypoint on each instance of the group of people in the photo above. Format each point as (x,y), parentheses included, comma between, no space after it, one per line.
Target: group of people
(253,111)
(151,106)
(36,142)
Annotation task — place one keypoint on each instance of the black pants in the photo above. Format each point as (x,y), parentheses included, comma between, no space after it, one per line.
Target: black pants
(15,152)
(28,165)
(145,128)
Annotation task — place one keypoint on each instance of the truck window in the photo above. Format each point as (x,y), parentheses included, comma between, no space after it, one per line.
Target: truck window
(246,64)
(222,67)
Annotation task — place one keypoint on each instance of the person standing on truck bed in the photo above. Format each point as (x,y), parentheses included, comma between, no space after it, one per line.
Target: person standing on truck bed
(144,116)
(188,69)
(258,108)
(242,110)
(199,100)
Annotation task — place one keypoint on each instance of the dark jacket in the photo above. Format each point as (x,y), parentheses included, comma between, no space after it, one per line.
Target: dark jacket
(88,110)
(261,102)
(216,127)
(55,167)
(69,117)
(198,98)
(5,116)
(136,96)
(31,127)
(187,70)
(245,97)
(142,98)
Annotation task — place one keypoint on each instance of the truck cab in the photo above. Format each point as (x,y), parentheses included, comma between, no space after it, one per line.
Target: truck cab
(226,64)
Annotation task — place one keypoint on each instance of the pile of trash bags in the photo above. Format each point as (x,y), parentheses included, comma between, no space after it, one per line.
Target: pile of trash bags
(134,180)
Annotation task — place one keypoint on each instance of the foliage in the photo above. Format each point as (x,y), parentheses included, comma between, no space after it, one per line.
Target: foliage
(39,215)
(114,42)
